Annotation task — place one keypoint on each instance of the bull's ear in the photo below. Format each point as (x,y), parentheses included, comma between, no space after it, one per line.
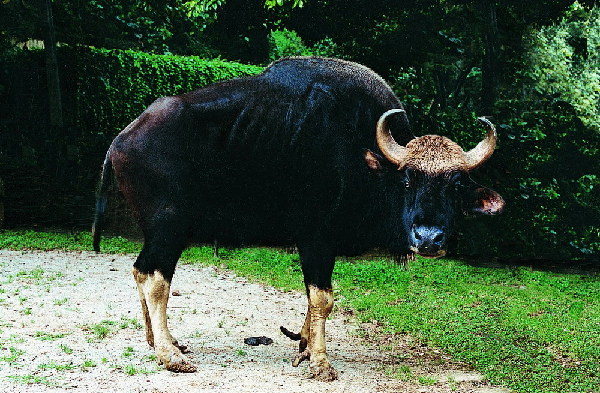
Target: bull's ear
(484,201)
(373,160)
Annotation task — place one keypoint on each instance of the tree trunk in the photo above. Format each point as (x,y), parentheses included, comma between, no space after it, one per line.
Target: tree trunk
(54,96)
(1,204)
(490,69)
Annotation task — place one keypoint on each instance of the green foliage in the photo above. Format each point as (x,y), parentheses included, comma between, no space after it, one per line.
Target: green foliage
(115,86)
(286,43)
(274,3)
(552,132)
(196,8)
(564,63)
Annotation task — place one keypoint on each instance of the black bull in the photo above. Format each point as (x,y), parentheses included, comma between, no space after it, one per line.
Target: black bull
(300,154)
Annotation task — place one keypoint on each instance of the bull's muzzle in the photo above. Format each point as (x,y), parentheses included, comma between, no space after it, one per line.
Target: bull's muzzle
(428,241)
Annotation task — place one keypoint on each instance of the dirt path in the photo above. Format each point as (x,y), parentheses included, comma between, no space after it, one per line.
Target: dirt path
(71,322)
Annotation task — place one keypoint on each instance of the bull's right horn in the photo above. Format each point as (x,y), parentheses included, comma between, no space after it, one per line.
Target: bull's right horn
(484,149)
(391,149)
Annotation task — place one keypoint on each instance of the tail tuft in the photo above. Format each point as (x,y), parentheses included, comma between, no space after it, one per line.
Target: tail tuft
(101,202)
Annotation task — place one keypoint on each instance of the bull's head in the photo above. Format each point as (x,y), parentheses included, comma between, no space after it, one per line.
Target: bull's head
(434,172)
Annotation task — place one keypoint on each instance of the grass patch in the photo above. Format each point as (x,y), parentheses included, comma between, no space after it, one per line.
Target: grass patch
(401,372)
(505,322)
(32,240)
(88,364)
(60,302)
(66,349)
(44,336)
(56,366)
(128,352)
(37,276)
(132,323)
(32,380)
(132,370)
(529,330)
(427,381)
(10,355)
(100,331)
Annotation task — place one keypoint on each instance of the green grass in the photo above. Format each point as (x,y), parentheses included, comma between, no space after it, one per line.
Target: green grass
(99,330)
(529,330)
(10,355)
(32,380)
(128,352)
(132,370)
(427,381)
(60,302)
(87,364)
(44,336)
(130,323)
(56,366)
(32,240)
(66,349)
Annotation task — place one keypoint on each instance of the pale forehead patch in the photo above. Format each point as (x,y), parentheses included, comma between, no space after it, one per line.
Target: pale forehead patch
(435,155)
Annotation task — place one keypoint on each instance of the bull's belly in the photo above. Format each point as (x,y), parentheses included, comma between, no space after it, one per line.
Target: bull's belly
(237,229)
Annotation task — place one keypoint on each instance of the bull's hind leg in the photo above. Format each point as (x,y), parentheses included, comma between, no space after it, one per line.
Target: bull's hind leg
(153,272)
(317,278)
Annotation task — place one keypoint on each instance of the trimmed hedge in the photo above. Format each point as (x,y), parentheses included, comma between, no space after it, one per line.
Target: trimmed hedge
(115,86)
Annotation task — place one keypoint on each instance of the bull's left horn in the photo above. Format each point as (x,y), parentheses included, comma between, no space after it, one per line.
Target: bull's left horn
(484,149)
(391,149)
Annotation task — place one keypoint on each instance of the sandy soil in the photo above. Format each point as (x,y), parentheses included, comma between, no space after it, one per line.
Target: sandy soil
(71,322)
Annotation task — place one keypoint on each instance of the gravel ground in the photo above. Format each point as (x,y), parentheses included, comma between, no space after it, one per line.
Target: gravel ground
(72,322)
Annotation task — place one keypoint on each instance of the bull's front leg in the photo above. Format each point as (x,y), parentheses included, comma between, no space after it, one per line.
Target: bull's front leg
(320,304)
(154,295)
(312,346)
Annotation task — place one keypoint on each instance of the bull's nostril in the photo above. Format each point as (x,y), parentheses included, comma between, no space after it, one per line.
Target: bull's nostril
(438,238)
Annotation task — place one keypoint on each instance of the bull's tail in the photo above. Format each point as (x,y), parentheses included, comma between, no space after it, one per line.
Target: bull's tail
(101,202)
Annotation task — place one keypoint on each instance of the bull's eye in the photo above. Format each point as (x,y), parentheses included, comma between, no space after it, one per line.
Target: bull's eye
(407,184)
(457,180)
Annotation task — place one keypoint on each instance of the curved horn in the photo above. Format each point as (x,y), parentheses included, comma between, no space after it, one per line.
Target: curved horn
(484,149)
(393,151)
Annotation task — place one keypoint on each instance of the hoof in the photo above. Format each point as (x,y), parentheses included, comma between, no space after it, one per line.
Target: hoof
(174,360)
(323,372)
(182,366)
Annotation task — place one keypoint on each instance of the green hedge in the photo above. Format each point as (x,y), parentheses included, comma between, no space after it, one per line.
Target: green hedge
(115,86)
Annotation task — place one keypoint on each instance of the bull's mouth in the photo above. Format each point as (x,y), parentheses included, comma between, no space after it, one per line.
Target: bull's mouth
(428,254)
